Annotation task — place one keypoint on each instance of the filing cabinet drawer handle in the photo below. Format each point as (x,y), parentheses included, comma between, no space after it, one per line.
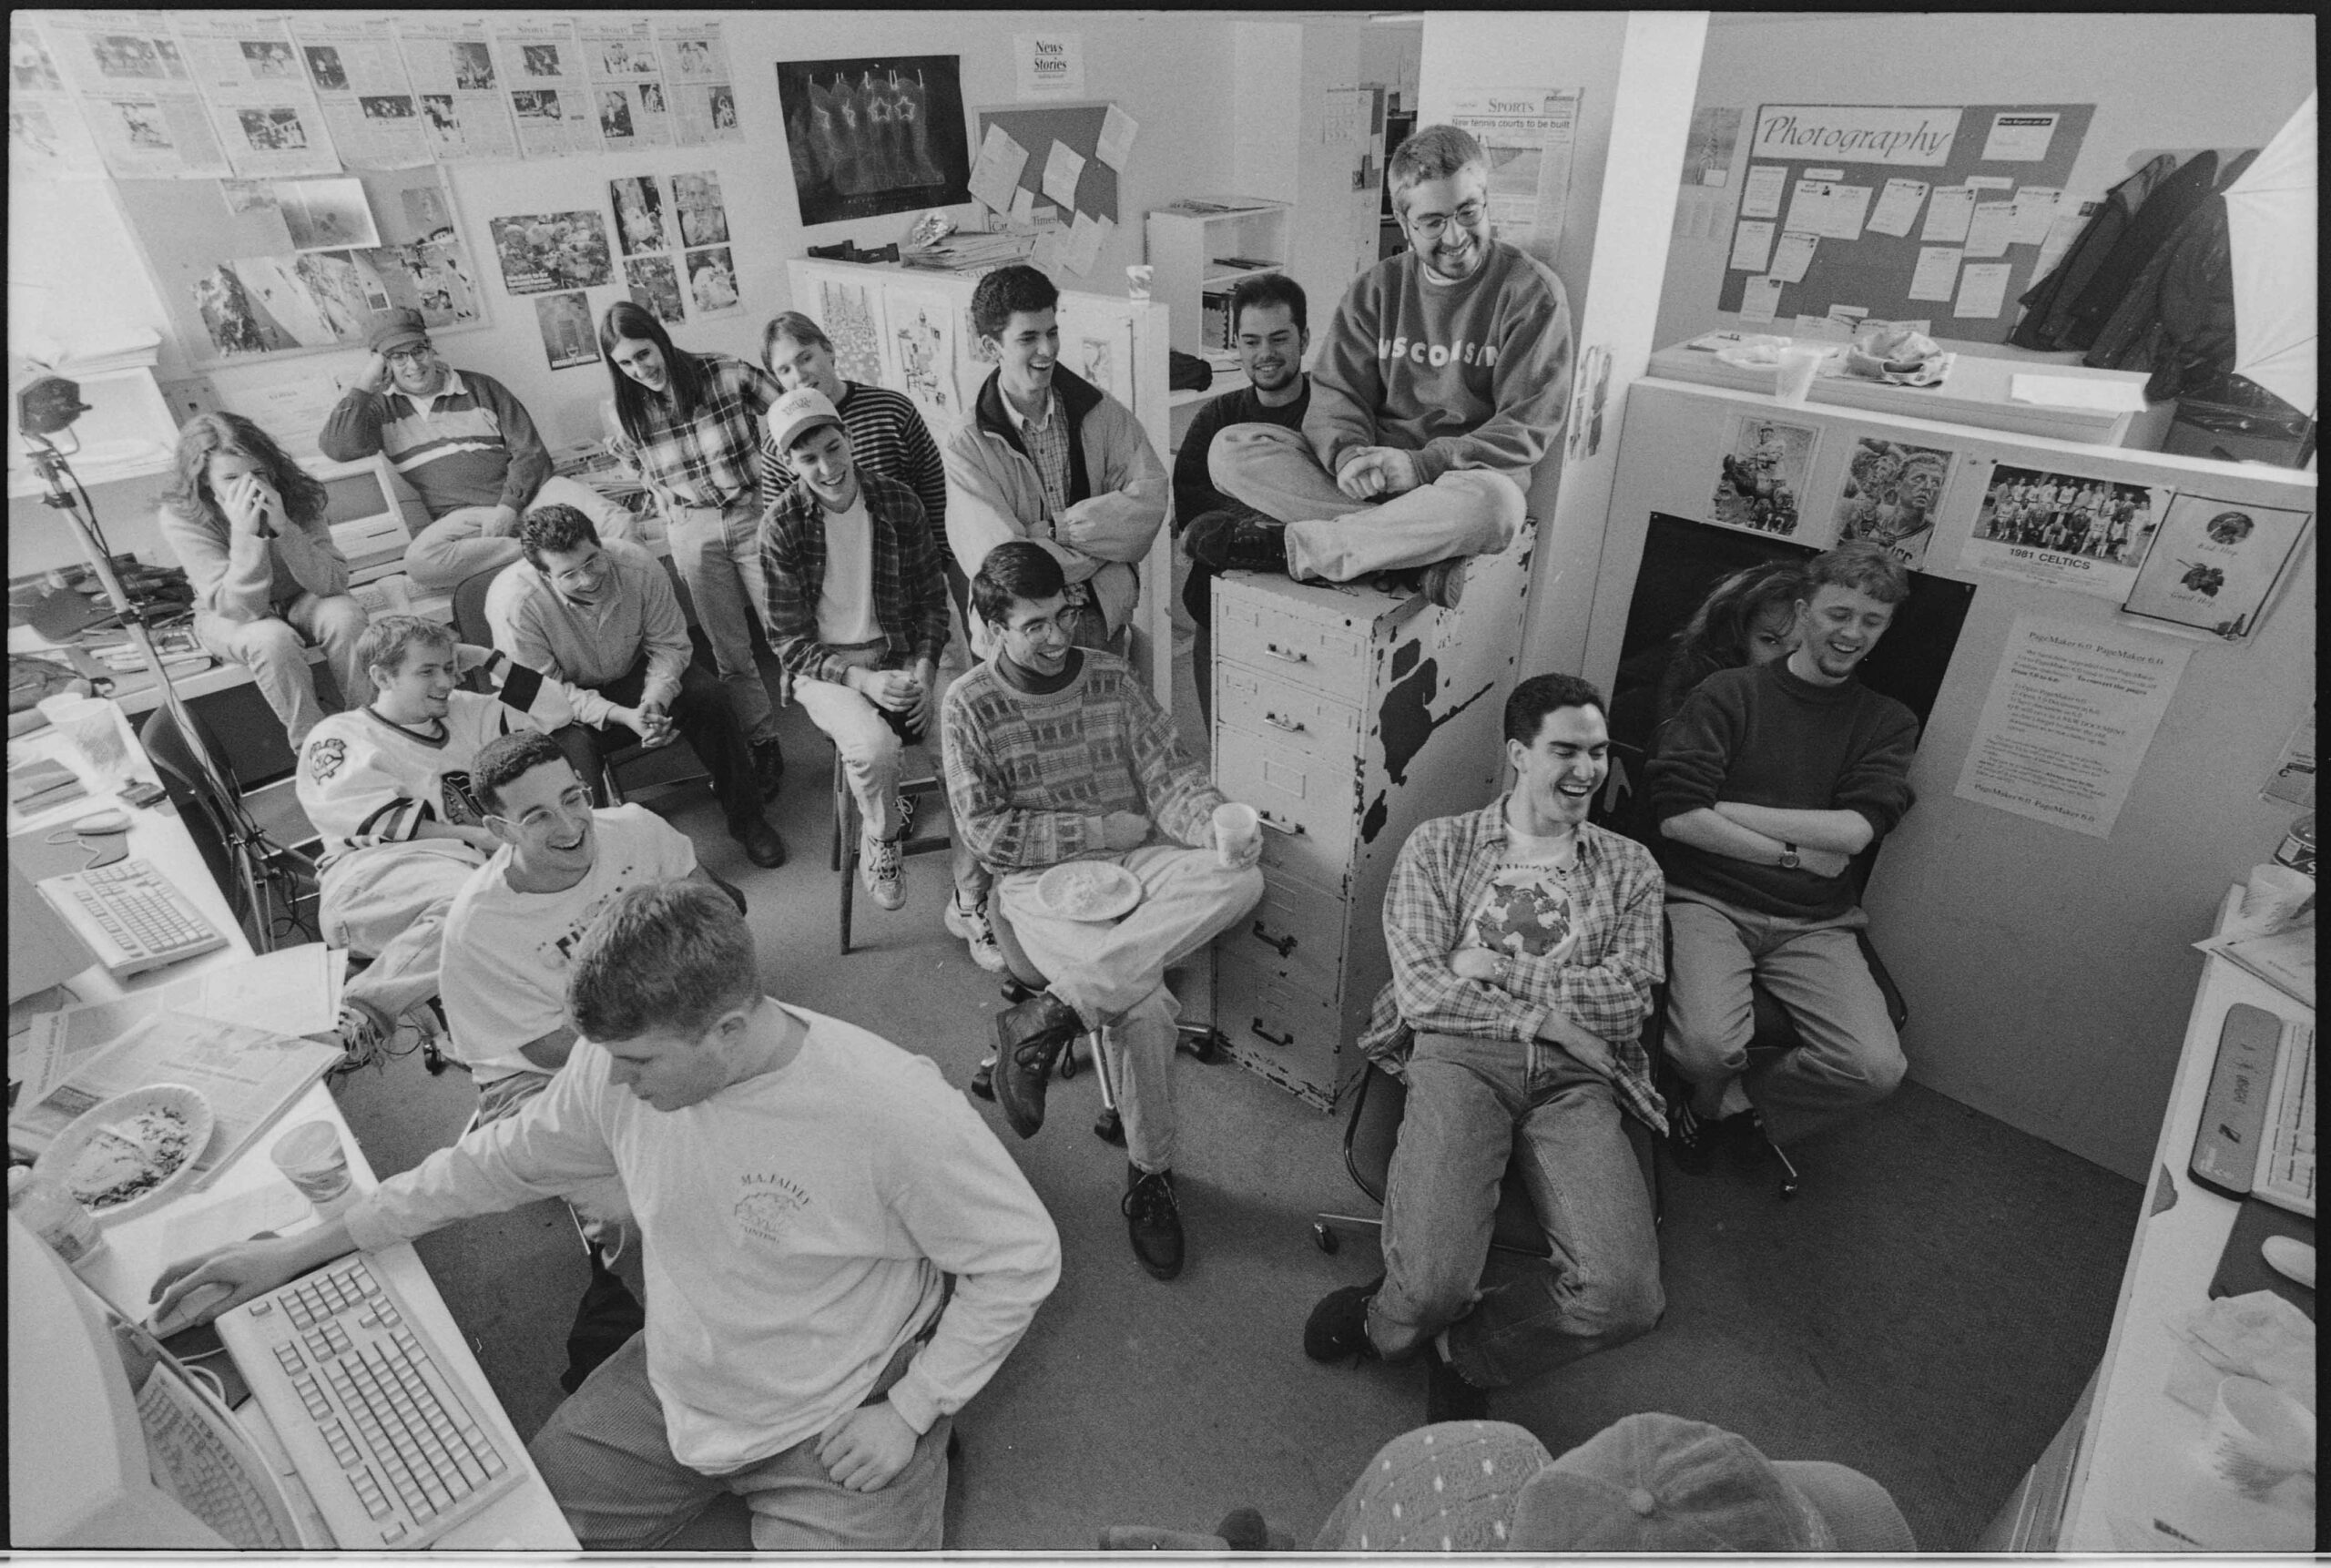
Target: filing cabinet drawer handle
(1295,828)
(1275,722)
(1290,655)
(1283,944)
(1281,1041)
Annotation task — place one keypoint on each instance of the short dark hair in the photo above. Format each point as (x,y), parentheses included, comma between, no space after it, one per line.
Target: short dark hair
(508,756)
(795,325)
(1268,288)
(1014,570)
(1860,565)
(663,955)
(997,296)
(1533,700)
(1431,152)
(553,527)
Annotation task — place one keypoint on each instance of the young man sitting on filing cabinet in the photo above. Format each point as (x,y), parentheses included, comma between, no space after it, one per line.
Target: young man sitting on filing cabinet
(389,788)
(1524,942)
(463,442)
(806,1190)
(1767,783)
(1271,325)
(1444,379)
(1057,754)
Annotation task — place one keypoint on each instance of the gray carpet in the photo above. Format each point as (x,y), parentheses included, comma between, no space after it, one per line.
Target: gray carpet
(1926,1310)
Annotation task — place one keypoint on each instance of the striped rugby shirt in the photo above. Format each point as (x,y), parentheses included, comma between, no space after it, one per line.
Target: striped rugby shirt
(886,436)
(472,445)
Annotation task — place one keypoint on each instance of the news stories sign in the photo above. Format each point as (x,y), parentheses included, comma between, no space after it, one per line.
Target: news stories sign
(1856,132)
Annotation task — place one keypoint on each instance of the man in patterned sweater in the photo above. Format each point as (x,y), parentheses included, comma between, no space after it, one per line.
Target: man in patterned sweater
(464,442)
(388,788)
(1056,754)
(1524,942)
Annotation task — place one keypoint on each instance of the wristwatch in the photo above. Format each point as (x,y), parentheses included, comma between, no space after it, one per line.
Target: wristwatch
(1789,860)
(1504,969)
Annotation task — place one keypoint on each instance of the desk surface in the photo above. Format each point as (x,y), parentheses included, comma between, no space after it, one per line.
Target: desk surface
(2133,1465)
(248,1196)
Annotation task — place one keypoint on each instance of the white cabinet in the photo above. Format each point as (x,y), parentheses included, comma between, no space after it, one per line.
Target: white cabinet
(1347,717)
(1196,250)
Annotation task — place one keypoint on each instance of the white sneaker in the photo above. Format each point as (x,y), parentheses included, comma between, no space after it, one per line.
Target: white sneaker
(978,935)
(885,877)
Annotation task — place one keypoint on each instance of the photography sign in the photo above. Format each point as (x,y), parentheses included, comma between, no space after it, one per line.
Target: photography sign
(1857,133)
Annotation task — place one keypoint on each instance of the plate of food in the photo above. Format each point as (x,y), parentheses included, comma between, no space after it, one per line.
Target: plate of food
(1088,890)
(132,1151)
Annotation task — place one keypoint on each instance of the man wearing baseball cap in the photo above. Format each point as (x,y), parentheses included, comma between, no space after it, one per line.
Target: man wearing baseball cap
(857,615)
(464,442)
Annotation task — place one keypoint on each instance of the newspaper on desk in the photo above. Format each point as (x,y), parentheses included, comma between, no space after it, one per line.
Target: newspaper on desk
(249,1076)
(2283,959)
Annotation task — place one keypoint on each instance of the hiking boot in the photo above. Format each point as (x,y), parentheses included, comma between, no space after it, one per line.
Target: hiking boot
(769,766)
(880,866)
(1444,583)
(1029,1039)
(1448,1396)
(1338,1327)
(762,845)
(1154,1221)
(972,926)
(1237,540)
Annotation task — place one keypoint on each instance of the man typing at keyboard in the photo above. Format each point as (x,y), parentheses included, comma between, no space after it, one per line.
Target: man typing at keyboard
(804,1191)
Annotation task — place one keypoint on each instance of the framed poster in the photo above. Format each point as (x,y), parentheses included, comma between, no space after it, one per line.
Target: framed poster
(872,135)
(2214,564)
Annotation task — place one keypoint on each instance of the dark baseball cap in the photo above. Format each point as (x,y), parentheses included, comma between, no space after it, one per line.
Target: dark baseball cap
(396,329)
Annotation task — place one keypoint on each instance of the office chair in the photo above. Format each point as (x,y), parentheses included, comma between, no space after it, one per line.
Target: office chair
(915,791)
(264,882)
(470,624)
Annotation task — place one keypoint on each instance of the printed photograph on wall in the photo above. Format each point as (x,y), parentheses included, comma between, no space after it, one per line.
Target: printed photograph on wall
(869,137)
(326,214)
(545,252)
(697,199)
(712,282)
(1890,494)
(1761,472)
(2064,530)
(567,336)
(639,214)
(655,283)
(2214,565)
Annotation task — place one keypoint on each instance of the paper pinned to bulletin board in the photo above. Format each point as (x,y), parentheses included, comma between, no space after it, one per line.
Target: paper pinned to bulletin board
(1856,178)
(1075,129)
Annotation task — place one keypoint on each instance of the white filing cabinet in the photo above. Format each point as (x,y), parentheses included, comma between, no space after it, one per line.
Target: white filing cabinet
(1347,717)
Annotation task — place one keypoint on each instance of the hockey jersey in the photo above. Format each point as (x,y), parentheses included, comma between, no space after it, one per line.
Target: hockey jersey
(363,780)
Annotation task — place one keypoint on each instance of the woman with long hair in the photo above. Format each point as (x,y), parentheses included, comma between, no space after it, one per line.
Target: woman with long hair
(689,425)
(248,524)
(1748,618)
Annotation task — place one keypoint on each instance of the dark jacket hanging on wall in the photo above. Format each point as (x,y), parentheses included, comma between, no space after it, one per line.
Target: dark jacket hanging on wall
(2047,304)
(2177,318)
(2168,206)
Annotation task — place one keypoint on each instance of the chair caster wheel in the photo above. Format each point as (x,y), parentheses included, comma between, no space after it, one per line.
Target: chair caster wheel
(1327,1240)
(1109,1128)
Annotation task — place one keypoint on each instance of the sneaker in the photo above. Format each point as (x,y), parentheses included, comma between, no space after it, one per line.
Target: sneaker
(1238,539)
(1029,1039)
(363,1036)
(1448,1396)
(885,877)
(971,925)
(1444,583)
(1154,1221)
(906,805)
(769,766)
(983,1078)
(1338,1327)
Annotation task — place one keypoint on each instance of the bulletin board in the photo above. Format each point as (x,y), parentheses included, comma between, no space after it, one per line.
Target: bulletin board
(1873,271)
(247,269)
(1075,125)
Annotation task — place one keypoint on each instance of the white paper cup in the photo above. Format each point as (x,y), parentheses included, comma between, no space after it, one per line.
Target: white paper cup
(1237,828)
(88,726)
(312,1158)
(1799,364)
(2274,895)
(2258,1436)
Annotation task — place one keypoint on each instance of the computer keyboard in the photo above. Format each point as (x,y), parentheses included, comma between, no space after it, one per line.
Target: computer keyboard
(391,1449)
(2286,1164)
(2257,1133)
(132,916)
(204,1473)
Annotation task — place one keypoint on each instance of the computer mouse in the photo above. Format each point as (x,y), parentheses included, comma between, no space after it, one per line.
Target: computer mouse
(2290,1258)
(100,823)
(191,1306)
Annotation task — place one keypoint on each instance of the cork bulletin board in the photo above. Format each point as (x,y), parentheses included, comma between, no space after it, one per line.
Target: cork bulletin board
(1075,125)
(2000,149)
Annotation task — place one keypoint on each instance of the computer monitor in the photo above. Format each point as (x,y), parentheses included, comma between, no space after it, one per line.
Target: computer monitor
(366,518)
(112,1443)
(43,949)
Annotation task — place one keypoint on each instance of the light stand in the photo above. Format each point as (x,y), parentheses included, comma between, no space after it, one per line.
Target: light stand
(248,850)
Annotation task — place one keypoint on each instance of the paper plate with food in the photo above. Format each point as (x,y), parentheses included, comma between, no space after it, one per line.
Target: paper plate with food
(1088,890)
(1898,355)
(132,1151)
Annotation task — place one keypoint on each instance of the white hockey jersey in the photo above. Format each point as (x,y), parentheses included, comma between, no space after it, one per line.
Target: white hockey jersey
(363,780)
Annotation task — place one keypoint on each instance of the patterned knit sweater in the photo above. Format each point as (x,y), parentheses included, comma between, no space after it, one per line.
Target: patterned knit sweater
(1029,777)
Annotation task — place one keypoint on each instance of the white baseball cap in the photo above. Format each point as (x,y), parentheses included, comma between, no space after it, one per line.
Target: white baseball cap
(802,409)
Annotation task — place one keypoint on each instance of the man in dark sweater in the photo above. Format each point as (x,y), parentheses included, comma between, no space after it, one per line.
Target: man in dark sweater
(1268,314)
(1767,781)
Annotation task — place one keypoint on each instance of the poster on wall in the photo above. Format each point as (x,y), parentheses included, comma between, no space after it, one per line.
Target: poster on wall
(326,214)
(639,214)
(873,135)
(1530,135)
(1889,495)
(266,115)
(2064,530)
(550,96)
(851,315)
(544,251)
(2072,711)
(451,66)
(1707,151)
(263,304)
(2215,564)
(922,341)
(700,92)
(695,198)
(137,102)
(655,283)
(566,322)
(368,102)
(47,137)
(1761,476)
(627,74)
(712,282)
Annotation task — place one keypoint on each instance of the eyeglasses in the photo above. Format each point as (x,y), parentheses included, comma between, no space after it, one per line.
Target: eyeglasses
(416,354)
(1433,224)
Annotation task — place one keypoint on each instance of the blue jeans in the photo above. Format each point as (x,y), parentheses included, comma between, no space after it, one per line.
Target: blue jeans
(1473,1104)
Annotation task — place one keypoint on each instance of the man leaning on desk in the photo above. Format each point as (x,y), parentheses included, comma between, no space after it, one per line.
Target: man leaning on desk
(806,1190)
(461,439)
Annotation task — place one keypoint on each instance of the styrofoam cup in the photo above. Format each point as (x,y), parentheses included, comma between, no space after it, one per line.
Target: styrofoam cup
(2258,1436)
(312,1158)
(2275,894)
(1235,829)
(1799,363)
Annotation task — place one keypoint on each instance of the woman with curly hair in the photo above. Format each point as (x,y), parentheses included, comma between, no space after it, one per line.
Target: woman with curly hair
(248,524)
(1749,618)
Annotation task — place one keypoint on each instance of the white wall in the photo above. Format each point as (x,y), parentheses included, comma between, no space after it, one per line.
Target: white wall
(2158,81)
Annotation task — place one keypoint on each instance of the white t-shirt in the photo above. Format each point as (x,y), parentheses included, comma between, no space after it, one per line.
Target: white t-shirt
(363,780)
(1527,909)
(508,954)
(846,598)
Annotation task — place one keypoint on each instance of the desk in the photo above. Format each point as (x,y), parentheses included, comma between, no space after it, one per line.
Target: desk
(249,1190)
(2126,1445)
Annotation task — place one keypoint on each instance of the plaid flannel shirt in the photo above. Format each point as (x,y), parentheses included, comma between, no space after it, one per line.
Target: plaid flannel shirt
(1604,988)
(910,591)
(712,460)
